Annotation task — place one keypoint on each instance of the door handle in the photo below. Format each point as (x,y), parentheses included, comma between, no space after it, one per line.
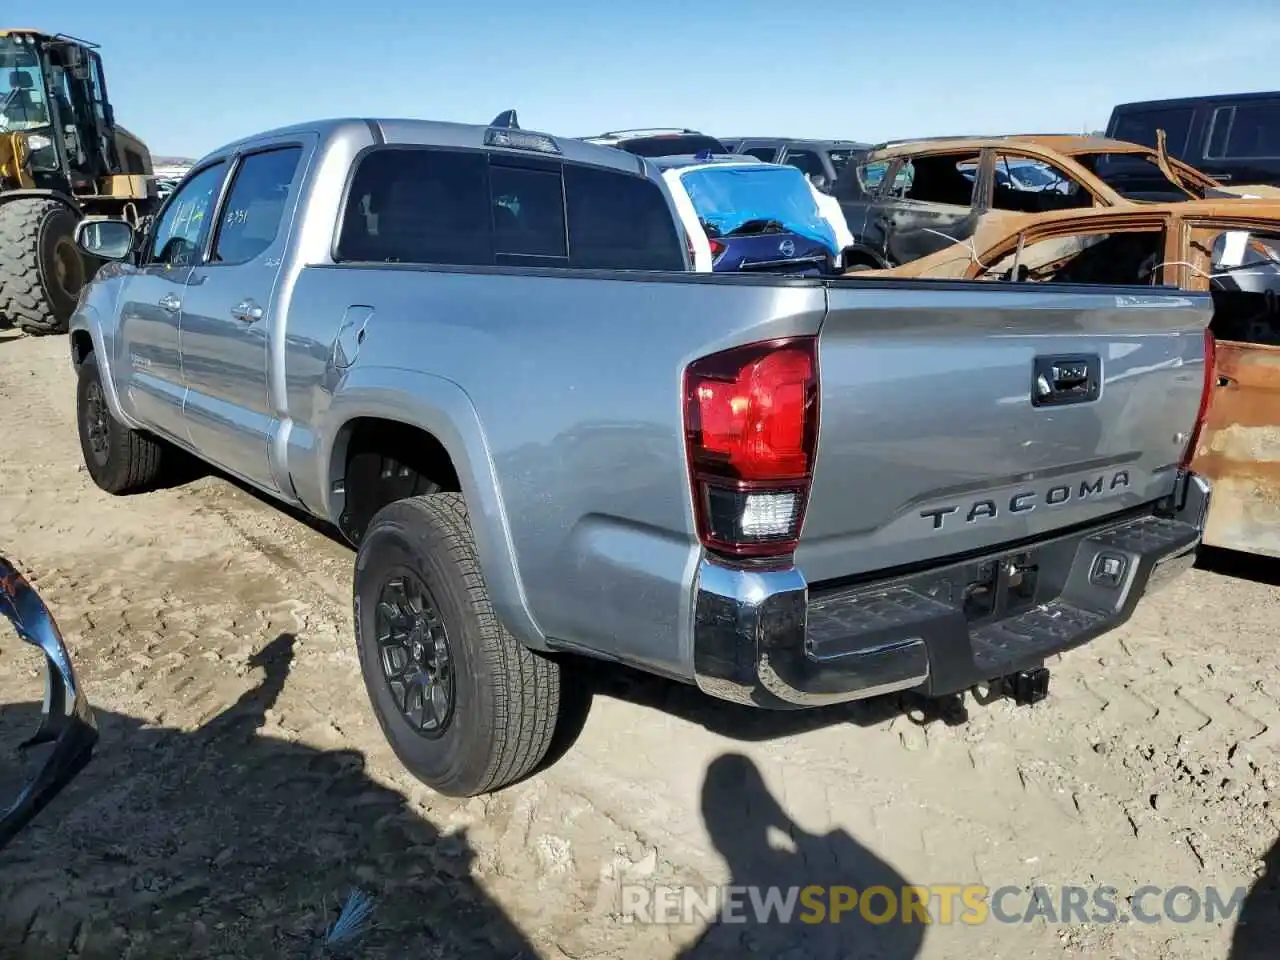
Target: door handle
(170,304)
(247,310)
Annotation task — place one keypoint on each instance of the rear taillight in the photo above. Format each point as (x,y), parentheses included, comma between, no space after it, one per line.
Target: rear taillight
(751,427)
(1206,395)
(718,247)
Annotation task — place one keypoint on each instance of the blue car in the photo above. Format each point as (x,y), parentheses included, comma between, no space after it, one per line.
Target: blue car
(740,213)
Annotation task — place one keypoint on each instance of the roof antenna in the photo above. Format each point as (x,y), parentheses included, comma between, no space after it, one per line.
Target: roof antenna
(507,120)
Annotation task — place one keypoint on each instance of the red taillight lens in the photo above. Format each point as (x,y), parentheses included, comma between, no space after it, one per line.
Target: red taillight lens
(751,425)
(717,248)
(1206,396)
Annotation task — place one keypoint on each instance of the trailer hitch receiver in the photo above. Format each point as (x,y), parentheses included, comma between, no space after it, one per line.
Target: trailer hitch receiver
(1025,687)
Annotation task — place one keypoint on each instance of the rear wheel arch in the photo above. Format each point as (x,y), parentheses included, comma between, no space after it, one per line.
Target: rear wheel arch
(438,461)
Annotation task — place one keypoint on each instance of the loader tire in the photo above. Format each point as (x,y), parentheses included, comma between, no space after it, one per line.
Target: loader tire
(42,271)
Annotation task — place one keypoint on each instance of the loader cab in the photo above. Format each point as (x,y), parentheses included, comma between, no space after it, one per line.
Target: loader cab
(53,91)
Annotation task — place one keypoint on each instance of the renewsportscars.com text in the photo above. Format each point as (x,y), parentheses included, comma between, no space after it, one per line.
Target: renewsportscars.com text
(971,904)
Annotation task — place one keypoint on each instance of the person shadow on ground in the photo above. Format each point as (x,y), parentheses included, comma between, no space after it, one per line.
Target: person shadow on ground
(1257,931)
(226,841)
(739,811)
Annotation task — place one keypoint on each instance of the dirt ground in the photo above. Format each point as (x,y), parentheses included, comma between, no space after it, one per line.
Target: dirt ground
(241,788)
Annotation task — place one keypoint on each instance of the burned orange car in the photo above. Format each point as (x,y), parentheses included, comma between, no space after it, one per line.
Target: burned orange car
(909,199)
(1227,248)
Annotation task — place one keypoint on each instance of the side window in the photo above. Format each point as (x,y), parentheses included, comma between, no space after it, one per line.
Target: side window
(1141,128)
(806,161)
(418,205)
(618,221)
(255,206)
(1252,131)
(762,153)
(183,227)
(528,212)
(1030,185)
(870,175)
(939,179)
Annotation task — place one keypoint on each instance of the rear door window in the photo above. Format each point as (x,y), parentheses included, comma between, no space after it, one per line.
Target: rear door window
(255,207)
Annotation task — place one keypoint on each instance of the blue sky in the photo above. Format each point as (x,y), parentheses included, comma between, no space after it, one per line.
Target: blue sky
(188,82)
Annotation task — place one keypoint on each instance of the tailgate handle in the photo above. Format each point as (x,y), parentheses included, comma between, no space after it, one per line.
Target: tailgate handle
(1066,379)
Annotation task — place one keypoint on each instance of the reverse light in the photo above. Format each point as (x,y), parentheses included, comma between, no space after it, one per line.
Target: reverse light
(1206,396)
(751,429)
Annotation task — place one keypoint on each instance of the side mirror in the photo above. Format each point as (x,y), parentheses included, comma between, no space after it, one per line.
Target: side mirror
(105,238)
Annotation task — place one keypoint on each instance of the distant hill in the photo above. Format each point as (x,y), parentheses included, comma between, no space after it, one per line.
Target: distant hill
(171,161)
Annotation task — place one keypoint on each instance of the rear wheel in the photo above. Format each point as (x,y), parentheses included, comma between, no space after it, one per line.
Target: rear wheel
(466,707)
(42,271)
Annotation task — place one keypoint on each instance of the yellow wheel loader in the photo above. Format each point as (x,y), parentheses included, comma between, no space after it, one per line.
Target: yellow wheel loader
(62,157)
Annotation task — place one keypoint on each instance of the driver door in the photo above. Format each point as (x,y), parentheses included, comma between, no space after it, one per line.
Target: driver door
(148,360)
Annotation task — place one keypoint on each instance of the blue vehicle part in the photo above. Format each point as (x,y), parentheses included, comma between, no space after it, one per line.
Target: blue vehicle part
(728,198)
(68,730)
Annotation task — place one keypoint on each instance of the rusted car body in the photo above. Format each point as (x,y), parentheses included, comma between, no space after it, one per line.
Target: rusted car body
(907,200)
(1230,248)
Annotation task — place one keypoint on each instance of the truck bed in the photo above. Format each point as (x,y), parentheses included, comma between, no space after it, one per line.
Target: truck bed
(927,432)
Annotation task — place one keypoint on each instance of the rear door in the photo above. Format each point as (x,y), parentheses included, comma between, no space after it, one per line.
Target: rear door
(937,438)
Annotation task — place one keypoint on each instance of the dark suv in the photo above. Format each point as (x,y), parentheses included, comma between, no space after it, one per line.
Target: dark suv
(662,142)
(1234,138)
(821,160)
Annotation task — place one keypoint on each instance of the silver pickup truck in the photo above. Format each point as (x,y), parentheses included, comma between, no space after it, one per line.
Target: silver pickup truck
(480,354)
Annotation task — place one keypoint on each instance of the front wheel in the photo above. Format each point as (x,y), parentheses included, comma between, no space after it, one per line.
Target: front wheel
(119,460)
(465,706)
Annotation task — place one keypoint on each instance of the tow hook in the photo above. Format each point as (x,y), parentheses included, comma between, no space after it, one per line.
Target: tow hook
(1026,687)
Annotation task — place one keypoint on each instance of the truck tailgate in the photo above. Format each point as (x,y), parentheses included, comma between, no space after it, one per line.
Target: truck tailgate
(937,435)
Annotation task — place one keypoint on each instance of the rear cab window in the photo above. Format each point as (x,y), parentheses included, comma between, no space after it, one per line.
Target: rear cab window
(458,207)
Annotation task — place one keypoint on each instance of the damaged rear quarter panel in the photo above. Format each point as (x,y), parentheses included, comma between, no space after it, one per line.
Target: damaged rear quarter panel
(1239,450)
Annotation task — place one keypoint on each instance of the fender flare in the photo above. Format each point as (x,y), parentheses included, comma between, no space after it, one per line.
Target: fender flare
(442,408)
(86,319)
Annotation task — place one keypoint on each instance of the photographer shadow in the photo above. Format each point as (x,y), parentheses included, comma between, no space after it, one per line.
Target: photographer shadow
(1257,932)
(739,811)
(230,841)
